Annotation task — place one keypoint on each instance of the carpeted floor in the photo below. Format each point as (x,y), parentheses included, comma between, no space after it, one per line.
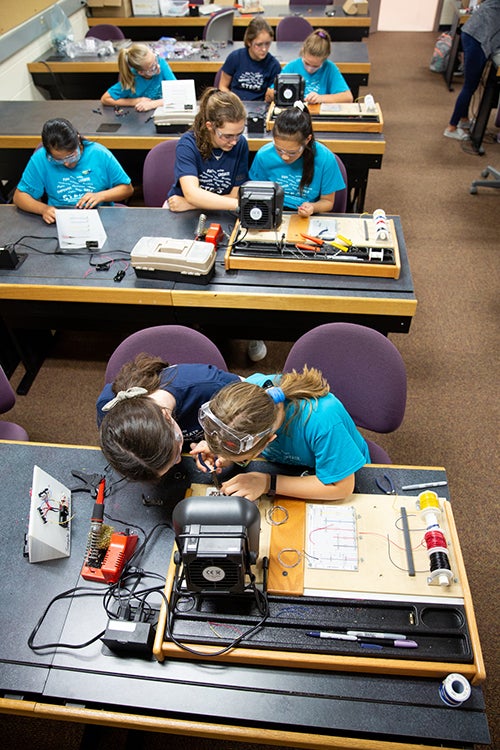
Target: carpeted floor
(451,352)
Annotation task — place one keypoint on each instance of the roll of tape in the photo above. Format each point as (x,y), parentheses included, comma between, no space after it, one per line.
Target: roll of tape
(454,690)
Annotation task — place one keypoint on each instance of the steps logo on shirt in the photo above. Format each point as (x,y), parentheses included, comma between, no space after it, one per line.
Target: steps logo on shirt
(71,188)
(251,80)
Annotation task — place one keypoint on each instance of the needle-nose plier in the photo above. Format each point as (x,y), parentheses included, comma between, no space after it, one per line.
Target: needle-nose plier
(315,244)
(386,486)
(213,472)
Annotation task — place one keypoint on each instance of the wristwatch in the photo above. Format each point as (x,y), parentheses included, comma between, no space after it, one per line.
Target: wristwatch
(272,485)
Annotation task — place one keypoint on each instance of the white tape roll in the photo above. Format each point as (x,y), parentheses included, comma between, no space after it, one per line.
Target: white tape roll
(454,690)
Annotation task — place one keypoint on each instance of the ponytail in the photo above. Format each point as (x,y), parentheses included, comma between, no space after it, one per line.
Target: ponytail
(130,60)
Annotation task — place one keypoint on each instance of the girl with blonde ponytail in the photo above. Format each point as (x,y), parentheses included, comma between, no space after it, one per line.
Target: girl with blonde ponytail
(291,418)
(141,72)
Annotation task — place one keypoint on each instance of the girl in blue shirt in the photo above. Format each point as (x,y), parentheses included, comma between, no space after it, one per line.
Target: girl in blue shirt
(141,73)
(211,159)
(290,419)
(307,170)
(323,80)
(69,172)
(249,72)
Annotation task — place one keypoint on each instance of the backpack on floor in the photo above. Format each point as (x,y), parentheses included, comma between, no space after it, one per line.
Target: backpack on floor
(441,54)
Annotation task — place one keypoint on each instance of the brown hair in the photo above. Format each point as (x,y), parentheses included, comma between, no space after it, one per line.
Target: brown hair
(256,26)
(217,107)
(131,60)
(317,44)
(137,437)
(247,409)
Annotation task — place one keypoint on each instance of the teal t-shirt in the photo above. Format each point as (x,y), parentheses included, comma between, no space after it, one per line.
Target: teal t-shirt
(327,80)
(322,435)
(96,170)
(268,165)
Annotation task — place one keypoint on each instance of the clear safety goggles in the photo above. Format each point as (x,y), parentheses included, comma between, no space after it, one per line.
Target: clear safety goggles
(226,437)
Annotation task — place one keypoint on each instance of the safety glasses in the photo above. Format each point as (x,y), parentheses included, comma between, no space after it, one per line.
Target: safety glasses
(152,70)
(226,437)
(69,159)
(284,152)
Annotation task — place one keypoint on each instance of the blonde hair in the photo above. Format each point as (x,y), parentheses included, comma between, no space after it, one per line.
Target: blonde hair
(248,409)
(317,44)
(217,107)
(130,61)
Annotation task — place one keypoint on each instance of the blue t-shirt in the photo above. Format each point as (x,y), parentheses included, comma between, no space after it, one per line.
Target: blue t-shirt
(327,80)
(321,435)
(250,78)
(218,174)
(268,165)
(191,385)
(147,87)
(96,170)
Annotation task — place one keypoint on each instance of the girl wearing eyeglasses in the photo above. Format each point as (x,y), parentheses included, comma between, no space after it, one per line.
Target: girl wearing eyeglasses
(249,72)
(151,410)
(141,72)
(323,80)
(306,169)
(211,159)
(292,419)
(70,172)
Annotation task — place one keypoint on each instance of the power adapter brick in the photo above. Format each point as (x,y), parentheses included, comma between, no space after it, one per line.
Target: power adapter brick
(134,638)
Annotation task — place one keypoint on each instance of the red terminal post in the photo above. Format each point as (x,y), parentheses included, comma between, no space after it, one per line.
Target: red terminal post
(214,234)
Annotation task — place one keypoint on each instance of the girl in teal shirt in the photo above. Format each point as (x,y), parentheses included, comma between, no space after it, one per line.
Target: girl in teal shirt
(307,170)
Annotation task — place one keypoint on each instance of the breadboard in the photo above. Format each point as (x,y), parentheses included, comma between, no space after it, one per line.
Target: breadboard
(275,250)
(337,117)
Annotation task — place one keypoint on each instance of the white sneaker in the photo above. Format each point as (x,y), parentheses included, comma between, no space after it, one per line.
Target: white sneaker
(257,350)
(457,135)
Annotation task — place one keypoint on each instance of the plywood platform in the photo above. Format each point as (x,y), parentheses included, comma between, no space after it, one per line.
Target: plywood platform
(338,118)
(276,250)
(378,589)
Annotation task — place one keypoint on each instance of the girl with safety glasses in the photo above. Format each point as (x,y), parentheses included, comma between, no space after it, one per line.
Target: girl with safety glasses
(249,72)
(289,419)
(70,172)
(306,169)
(141,72)
(151,410)
(211,159)
(323,80)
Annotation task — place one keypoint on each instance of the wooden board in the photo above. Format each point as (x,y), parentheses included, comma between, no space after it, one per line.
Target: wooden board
(359,230)
(474,671)
(339,118)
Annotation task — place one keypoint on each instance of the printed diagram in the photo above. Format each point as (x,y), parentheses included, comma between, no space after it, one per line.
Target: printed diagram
(331,540)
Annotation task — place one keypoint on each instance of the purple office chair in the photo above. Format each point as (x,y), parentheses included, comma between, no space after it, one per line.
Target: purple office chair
(158,173)
(9,430)
(174,344)
(364,370)
(219,27)
(340,202)
(293,29)
(311,2)
(105,32)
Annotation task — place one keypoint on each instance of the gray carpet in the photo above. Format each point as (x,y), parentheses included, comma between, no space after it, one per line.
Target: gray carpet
(451,352)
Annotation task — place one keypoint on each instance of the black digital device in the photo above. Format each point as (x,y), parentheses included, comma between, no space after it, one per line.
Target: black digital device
(261,205)
(288,89)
